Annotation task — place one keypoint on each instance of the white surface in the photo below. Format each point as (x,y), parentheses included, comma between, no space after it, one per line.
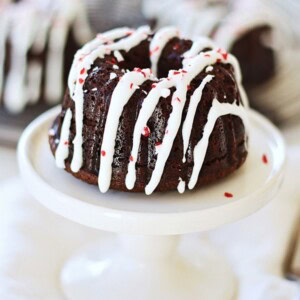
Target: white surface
(148,269)
(152,266)
(28,230)
(170,213)
(8,160)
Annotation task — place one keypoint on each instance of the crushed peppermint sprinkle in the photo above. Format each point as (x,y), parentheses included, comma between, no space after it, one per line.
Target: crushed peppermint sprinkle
(66,143)
(154,50)
(112,61)
(131,158)
(209,69)
(118,55)
(131,85)
(112,76)
(103,153)
(178,99)
(144,92)
(228,195)
(115,67)
(206,55)
(265,159)
(153,85)
(85,91)
(184,71)
(82,71)
(157,144)
(81,81)
(146,132)
(94,89)
(223,53)
(139,70)
(176,72)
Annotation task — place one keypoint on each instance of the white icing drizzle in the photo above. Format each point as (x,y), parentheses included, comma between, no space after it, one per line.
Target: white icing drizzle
(148,106)
(118,56)
(181,186)
(217,110)
(30,24)
(83,61)
(121,95)
(159,41)
(198,45)
(189,120)
(209,69)
(62,151)
(112,76)
(193,67)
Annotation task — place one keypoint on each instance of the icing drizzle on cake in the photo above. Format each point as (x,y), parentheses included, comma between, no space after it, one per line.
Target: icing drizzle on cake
(194,62)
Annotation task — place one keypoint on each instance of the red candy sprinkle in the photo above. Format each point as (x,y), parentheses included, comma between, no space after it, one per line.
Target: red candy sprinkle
(66,143)
(265,159)
(228,195)
(176,47)
(82,71)
(176,73)
(81,81)
(140,71)
(178,99)
(184,71)
(131,85)
(157,143)
(153,85)
(219,60)
(206,55)
(188,87)
(131,157)
(146,131)
(225,55)
(154,50)
(103,153)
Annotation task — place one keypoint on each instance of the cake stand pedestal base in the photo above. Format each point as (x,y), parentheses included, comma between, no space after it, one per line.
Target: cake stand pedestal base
(148,260)
(149,267)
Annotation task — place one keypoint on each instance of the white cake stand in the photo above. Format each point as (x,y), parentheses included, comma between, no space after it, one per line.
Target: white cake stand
(146,262)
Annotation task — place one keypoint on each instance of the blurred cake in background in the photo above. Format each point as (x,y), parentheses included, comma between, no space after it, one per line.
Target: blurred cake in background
(262,34)
(38,39)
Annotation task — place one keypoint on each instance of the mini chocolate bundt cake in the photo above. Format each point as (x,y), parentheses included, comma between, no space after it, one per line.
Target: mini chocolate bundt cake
(123,128)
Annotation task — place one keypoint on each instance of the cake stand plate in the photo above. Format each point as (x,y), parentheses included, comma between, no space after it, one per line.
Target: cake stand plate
(147,260)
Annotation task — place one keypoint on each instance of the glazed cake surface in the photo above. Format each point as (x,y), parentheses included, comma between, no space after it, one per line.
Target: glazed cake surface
(149,112)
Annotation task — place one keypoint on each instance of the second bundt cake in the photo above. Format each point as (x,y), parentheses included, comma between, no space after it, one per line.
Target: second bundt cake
(151,112)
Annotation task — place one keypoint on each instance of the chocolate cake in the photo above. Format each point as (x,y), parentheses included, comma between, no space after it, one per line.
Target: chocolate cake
(123,128)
